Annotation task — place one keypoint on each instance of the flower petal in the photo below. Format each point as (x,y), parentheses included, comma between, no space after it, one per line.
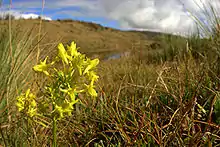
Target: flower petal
(62,53)
(72,50)
(42,67)
(91,65)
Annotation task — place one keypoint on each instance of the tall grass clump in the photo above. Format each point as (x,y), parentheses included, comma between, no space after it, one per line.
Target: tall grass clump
(172,101)
(208,50)
(16,52)
(159,105)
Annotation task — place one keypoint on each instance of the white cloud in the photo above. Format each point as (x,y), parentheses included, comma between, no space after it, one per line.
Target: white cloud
(33,16)
(169,16)
(158,15)
(154,15)
(19,15)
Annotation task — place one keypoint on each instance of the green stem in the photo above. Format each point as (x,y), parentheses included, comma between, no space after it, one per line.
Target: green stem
(54,132)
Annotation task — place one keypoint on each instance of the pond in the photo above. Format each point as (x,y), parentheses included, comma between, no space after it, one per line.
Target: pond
(117,56)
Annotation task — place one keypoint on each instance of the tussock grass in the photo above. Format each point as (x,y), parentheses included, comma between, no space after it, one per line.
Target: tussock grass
(162,96)
(18,56)
(16,62)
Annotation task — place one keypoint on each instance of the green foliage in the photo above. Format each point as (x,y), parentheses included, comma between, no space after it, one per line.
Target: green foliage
(217,110)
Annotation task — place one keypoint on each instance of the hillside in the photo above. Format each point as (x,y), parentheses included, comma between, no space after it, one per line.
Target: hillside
(92,38)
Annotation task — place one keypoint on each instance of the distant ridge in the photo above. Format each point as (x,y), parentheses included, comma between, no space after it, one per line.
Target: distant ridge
(91,37)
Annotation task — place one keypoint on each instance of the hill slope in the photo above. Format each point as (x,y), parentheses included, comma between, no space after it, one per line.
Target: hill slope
(92,38)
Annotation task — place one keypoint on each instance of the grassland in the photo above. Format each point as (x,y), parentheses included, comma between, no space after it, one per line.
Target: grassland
(164,93)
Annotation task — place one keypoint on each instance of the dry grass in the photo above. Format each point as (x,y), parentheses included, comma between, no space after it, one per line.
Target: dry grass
(148,98)
(99,40)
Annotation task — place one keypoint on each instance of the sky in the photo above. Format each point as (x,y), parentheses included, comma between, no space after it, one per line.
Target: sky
(171,16)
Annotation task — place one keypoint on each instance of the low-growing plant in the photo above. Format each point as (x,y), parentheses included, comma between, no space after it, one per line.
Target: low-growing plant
(60,92)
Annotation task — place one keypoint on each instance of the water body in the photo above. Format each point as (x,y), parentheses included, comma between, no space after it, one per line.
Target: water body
(117,56)
(114,56)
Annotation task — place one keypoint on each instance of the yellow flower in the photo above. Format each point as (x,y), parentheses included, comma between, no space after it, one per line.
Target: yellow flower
(42,67)
(32,111)
(67,107)
(59,110)
(79,69)
(27,93)
(91,90)
(66,90)
(65,84)
(72,50)
(92,64)
(80,63)
(62,53)
(93,77)
(33,103)
(20,102)
(72,95)
(26,101)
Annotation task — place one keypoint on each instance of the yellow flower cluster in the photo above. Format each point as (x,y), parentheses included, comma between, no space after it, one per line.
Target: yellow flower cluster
(26,103)
(76,76)
(74,59)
